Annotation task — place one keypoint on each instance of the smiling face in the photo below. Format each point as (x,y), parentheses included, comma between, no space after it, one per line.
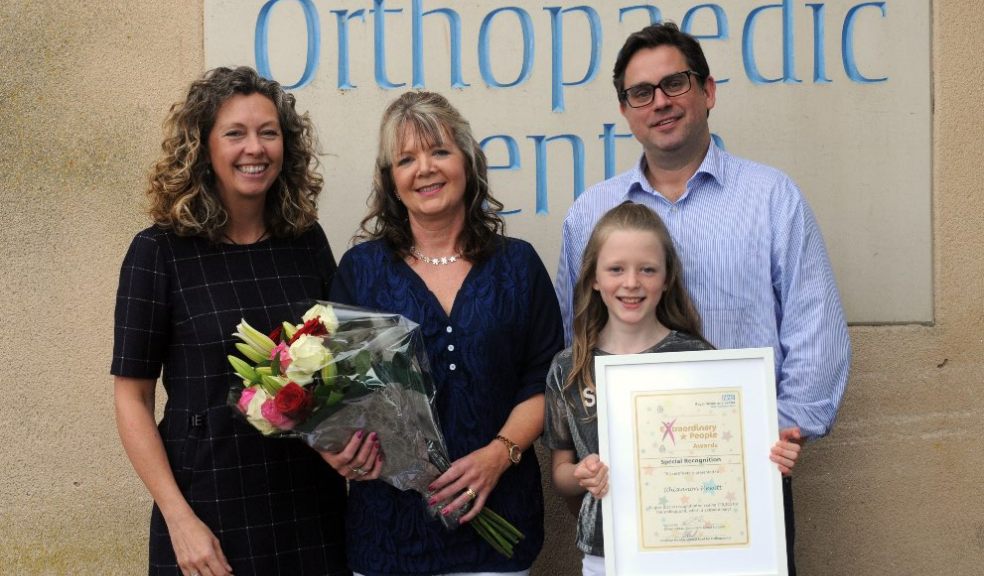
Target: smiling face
(630,276)
(673,129)
(245,148)
(430,179)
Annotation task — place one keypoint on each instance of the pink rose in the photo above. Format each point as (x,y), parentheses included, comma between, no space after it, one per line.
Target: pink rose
(274,416)
(282,350)
(244,399)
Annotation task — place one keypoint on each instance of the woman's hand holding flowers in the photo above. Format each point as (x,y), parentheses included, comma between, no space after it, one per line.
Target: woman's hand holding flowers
(469,479)
(319,379)
(361,459)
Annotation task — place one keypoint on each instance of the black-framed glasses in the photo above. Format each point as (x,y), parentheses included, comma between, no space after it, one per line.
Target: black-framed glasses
(643,93)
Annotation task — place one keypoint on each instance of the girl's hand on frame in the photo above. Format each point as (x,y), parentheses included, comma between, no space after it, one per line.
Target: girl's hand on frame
(592,475)
(361,459)
(196,548)
(786,451)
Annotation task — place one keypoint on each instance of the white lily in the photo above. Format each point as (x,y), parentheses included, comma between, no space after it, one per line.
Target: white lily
(254,338)
(245,371)
(289,329)
(249,352)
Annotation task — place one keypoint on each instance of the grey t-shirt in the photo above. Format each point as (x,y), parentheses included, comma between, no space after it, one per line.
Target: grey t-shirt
(569,424)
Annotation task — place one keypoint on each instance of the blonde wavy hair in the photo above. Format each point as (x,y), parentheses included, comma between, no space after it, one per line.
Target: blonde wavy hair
(181,188)
(429,118)
(675,310)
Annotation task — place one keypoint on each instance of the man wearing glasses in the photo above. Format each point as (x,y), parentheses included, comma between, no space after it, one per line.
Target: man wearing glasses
(753,257)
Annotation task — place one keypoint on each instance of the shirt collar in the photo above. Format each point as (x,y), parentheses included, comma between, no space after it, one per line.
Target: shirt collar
(712,166)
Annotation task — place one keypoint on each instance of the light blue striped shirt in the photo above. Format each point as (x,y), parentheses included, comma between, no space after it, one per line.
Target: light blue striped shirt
(756,267)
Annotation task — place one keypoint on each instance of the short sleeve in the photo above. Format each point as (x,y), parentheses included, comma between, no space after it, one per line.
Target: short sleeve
(324,260)
(141,332)
(546,334)
(567,271)
(342,286)
(556,429)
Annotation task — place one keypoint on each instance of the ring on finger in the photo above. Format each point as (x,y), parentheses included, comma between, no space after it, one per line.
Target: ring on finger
(358,471)
(471,493)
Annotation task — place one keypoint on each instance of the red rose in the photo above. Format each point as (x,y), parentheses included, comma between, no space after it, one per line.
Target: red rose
(275,334)
(312,327)
(294,401)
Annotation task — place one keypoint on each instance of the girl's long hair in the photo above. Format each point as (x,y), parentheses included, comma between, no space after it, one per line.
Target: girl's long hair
(675,309)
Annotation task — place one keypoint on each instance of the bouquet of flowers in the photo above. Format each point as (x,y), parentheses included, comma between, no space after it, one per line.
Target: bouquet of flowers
(344,369)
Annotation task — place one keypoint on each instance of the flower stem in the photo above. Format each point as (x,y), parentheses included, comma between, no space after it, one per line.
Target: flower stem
(502,524)
(497,531)
(489,534)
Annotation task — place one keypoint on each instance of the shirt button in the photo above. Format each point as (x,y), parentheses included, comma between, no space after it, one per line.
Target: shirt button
(452,367)
(449,329)
(450,347)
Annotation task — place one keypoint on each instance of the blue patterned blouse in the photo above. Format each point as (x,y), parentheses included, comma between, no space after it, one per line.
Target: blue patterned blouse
(492,353)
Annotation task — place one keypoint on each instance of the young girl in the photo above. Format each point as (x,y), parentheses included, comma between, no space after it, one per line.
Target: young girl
(629,299)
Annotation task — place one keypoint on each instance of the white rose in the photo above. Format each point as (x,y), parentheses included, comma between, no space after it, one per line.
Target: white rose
(308,355)
(326,315)
(255,415)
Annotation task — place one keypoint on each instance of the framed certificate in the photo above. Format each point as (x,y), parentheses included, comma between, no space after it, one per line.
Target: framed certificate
(686,436)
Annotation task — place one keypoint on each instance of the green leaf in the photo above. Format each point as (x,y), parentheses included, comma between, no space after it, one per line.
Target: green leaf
(334,398)
(336,386)
(363,362)
(329,371)
(271,384)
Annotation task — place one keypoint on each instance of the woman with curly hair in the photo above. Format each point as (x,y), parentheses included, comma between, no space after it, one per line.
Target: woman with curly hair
(432,249)
(234,236)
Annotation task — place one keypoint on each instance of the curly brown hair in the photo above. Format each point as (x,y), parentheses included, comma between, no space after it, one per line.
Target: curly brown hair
(182,186)
(429,118)
(675,310)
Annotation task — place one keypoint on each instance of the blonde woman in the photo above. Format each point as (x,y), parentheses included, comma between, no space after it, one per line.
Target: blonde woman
(432,250)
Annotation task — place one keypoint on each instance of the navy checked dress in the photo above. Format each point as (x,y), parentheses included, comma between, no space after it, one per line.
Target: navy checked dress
(490,354)
(274,504)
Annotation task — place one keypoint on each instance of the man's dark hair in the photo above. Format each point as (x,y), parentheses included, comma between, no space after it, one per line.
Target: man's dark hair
(652,36)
